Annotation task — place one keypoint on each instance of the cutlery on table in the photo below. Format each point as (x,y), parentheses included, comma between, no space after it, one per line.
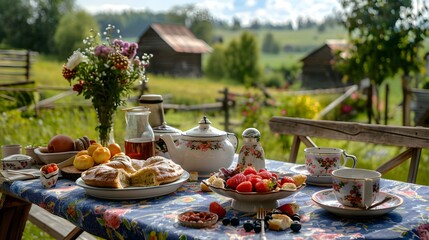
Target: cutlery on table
(260,215)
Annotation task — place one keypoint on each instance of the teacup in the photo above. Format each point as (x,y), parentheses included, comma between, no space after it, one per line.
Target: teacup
(356,187)
(321,161)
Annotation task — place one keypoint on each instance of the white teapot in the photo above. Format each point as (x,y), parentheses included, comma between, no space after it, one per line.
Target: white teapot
(203,148)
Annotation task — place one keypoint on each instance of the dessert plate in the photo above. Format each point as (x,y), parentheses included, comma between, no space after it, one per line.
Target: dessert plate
(326,199)
(325,181)
(252,201)
(130,193)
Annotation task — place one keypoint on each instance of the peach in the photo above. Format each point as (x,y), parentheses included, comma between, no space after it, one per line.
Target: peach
(92,147)
(101,155)
(61,143)
(83,162)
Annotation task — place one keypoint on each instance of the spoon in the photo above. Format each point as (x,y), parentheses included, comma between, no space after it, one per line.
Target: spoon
(387,198)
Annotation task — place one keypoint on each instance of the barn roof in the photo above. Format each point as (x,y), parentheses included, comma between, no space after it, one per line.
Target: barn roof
(180,38)
(334,44)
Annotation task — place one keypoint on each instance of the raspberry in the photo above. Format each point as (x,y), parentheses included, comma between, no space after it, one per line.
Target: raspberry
(217,209)
(245,186)
(235,180)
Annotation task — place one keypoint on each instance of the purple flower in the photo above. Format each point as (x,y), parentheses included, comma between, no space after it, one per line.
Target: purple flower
(102,51)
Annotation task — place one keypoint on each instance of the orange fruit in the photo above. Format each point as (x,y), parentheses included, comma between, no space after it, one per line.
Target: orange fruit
(83,162)
(114,149)
(101,155)
(92,147)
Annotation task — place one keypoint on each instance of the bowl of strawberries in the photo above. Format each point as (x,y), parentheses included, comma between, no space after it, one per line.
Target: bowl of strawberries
(251,189)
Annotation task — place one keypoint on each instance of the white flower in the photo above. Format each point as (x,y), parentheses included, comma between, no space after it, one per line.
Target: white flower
(74,60)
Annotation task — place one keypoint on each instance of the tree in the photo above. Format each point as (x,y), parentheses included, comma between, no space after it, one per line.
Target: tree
(199,21)
(71,31)
(385,37)
(269,45)
(31,24)
(241,58)
(216,63)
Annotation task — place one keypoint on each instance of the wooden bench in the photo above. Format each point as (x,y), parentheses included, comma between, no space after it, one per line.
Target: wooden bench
(412,138)
(15,67)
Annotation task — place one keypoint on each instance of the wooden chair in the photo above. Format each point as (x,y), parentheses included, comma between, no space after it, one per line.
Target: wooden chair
(413,138)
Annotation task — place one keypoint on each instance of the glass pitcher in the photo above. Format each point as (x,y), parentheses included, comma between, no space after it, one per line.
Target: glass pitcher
(139,136)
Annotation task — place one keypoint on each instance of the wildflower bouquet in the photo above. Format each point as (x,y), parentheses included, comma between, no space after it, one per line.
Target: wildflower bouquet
(105,73)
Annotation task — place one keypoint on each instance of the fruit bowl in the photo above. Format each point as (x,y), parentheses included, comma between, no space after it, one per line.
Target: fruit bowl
(47,157)
(252,201)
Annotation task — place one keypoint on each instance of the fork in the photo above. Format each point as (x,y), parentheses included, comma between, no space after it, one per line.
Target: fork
(260,215)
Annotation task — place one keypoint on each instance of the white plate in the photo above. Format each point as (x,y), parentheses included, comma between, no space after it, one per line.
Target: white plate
(325,181)
(252,201)
(130,193)
(326,199)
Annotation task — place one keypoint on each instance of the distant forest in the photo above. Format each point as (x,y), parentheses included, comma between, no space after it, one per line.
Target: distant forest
(132,23)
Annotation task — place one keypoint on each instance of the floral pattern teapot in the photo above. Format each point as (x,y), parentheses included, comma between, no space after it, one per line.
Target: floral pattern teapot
(203,148)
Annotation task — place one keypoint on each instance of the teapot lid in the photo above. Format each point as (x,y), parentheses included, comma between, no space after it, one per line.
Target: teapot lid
(204,130)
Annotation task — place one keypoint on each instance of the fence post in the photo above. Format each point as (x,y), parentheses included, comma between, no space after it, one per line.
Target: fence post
(225,106)
(27,67)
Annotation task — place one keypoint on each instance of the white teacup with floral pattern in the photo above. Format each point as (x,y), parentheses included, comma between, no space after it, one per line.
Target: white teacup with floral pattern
(356,187)
(321,161)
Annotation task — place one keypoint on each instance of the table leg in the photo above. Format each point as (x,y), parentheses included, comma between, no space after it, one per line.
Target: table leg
(13,216)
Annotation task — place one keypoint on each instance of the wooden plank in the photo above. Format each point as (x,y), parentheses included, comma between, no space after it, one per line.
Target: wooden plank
(337,101)
(57,227)
(13,216)
(414,137)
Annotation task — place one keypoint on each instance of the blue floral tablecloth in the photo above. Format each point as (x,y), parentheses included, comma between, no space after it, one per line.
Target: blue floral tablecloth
(156,218)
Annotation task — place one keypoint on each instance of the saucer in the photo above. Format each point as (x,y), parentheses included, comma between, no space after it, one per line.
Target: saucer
(326,199)
(324,181)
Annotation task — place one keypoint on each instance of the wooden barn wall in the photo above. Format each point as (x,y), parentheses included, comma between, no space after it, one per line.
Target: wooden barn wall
(165,60)
(317,72)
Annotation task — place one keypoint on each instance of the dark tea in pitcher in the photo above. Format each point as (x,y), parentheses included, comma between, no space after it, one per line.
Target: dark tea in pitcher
(138,148)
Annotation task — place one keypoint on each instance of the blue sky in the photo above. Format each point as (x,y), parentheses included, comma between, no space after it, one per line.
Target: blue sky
(274,11)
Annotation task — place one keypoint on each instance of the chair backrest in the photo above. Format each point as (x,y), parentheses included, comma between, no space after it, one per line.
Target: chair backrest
(413,138)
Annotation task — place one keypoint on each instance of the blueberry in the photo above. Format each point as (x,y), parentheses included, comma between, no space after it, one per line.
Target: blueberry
(257,228)
(226,221)
(295,226)
(296,217)
(235,221)
(248,226)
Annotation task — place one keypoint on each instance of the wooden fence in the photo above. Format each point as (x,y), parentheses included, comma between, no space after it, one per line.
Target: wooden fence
(15,67)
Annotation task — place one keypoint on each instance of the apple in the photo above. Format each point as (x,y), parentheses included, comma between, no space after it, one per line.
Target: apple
(101,155)
(61,143)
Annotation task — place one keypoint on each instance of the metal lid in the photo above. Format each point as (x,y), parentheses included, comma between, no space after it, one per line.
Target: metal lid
(204,130)
(164,128)
(251,134)
(150,98)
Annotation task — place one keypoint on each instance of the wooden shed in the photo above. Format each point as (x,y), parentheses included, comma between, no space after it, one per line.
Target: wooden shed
(318,71)
(176,51)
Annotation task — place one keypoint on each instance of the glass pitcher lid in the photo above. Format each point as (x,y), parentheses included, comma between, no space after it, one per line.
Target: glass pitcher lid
(204,129)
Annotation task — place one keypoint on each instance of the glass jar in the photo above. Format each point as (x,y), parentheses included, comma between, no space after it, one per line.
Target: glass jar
(139,136)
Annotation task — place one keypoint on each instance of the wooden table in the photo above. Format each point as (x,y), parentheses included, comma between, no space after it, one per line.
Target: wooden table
(156,217)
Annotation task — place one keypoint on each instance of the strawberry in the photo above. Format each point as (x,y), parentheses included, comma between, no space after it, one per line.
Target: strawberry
(217,209)
(245,186)
(249,170)
(261,186)
(254,179)
(287,179)
(235,180)
(289,209)
(265,174)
